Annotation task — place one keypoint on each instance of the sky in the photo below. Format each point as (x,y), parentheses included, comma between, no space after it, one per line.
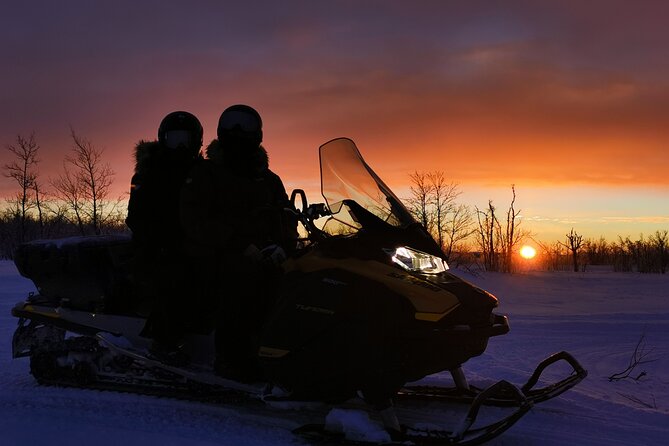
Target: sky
(567,100)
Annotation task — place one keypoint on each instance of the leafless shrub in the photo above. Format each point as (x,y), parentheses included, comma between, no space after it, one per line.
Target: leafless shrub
(23,170)
(499,244)
(84,186)
(639,357)
(433,203)
(574,243)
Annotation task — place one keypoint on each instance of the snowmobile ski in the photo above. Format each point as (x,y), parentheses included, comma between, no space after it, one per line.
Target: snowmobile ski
(468,393)
(464,434)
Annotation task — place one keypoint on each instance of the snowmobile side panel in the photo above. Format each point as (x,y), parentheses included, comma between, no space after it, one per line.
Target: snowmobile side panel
(193,373)
(49,316)
(317,314)
(82,322)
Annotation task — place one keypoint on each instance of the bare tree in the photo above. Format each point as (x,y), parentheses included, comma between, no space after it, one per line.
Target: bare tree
(444,195)
(597,252)
(24,171)
(649,255)
(39,204)
(660,241)
(458,229)
(559,257)
(487,236)
(499,245)
(93,175)
(433,203)
(574,243)
(85,185)
(513,235)
(68,190)
(419,203)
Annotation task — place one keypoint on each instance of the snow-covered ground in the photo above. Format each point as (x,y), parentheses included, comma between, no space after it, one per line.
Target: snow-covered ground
(598,317)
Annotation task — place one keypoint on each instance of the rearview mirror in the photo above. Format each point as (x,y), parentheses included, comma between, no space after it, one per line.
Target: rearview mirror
(303,198)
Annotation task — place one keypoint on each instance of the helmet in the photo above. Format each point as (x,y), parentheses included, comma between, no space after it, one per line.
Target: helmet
(181,129)
(240,122)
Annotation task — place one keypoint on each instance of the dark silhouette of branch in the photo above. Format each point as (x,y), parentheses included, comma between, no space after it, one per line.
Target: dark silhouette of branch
(84,185)
(638,358)
(574,243)
(23,171)
(433,203)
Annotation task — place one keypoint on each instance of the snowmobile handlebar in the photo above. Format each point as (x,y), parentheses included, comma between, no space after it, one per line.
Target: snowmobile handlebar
(313,211)
(308,213)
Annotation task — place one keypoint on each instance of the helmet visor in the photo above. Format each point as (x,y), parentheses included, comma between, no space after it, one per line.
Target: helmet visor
(244,121)
(176,138)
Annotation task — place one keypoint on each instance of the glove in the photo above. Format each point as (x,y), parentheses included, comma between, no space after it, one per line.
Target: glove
(268,259)
(273,256)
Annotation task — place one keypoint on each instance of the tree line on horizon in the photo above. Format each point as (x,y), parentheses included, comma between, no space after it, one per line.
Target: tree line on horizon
(645,255)
(480,238)
(77,202)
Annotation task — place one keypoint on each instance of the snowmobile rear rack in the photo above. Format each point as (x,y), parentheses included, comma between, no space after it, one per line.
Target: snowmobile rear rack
(460,393)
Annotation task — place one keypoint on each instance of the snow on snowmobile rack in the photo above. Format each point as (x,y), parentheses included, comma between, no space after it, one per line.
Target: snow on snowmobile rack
(366,305)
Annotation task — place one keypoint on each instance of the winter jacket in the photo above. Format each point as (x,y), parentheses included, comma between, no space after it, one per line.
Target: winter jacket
(153,208)
(229,202)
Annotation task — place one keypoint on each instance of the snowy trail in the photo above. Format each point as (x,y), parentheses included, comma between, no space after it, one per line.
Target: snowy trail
(597,317)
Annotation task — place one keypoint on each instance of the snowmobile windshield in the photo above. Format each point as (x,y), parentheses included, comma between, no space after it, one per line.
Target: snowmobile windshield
(348,183)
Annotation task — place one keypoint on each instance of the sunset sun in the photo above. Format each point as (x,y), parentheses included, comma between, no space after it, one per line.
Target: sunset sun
(528,252)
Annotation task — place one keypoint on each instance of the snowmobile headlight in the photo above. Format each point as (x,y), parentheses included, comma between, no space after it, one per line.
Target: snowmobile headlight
(413,260)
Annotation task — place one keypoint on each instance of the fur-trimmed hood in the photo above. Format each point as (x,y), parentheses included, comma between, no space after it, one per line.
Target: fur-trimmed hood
(253,162)
(151,153)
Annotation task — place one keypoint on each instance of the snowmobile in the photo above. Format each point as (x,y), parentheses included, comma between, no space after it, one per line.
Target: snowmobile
(366,306)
